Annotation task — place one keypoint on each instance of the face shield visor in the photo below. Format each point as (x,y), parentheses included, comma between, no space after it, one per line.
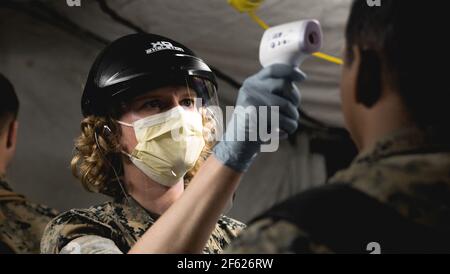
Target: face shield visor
(175,125)
(192,93)
(207,105)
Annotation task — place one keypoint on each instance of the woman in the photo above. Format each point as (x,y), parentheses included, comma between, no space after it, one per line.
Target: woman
(149,125)
(138,77)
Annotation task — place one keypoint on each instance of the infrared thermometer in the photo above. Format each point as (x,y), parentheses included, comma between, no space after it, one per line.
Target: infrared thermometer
(290,43)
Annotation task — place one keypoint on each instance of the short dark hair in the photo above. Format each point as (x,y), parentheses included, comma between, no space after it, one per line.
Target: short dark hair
(396,42)
(9,103)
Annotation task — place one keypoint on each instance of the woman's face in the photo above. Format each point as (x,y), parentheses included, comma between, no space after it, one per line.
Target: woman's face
(151,103)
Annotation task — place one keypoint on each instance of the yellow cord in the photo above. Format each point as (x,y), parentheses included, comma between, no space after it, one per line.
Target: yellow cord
(319,55)
(328,58)
(258,20)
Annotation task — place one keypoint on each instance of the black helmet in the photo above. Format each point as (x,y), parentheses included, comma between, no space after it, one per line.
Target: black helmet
(141,62)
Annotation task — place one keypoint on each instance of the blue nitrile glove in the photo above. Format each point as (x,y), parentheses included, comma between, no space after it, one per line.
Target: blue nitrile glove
(272,86)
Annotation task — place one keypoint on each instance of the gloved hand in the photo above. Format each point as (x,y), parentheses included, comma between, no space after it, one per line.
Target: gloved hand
(272,86)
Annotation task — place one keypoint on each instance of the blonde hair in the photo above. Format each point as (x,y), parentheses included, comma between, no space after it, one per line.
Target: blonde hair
(97,159)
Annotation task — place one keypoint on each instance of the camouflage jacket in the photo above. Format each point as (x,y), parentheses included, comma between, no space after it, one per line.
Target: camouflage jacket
(21,223)
(407,172)
(123,221)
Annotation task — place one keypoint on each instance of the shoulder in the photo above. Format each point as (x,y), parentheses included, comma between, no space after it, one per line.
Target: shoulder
(98,213)
(24,222)
(287,227)
(95,215)
(26,211)
(270,236)
(15,205)
(96,220)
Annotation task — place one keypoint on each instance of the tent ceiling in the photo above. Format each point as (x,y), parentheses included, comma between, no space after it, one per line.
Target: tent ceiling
(229,40)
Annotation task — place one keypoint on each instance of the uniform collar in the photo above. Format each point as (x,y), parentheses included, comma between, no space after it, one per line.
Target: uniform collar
(132,210)
(406,141)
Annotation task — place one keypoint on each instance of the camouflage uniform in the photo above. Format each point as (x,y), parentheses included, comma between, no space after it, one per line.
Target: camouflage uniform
(114,227)
(21,223)
(407,172)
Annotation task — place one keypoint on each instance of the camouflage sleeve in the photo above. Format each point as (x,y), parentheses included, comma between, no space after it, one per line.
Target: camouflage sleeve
(70,226)
(232,226)
(91,245)
(23,225)
(226,230)
(268,236)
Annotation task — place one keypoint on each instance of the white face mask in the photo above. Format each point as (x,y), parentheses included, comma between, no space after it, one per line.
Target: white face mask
(169,144)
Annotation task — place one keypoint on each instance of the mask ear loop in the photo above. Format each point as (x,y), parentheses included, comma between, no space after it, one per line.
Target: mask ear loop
(105,127)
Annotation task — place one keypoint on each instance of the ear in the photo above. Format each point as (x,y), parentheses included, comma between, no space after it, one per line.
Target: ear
(11,138)
(369,80)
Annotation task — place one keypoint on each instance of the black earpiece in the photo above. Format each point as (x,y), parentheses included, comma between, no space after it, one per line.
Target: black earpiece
(369,82)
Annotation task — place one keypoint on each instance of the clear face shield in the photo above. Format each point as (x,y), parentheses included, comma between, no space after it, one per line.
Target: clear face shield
(188,92)
(176,127)
(207,103)
(213,121)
